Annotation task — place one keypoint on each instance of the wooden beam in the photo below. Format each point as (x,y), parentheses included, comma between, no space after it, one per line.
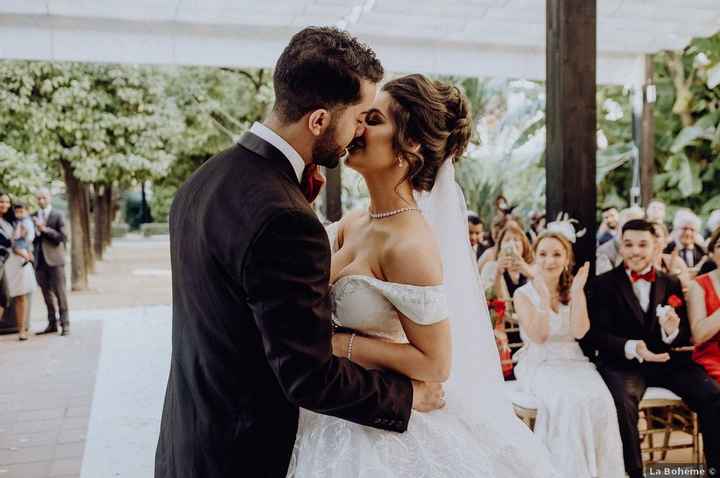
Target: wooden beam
(571,57)
(647,134)
(333,194)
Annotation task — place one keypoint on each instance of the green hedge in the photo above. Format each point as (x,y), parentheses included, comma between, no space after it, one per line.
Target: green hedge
(154,228)
(119,229)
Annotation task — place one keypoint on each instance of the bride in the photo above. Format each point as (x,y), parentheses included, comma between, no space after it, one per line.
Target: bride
(405,281)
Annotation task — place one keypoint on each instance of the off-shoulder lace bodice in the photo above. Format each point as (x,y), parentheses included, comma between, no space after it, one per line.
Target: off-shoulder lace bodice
(371,306)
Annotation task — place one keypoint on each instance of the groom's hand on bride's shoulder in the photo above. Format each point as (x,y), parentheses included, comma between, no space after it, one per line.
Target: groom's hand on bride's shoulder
(427,396)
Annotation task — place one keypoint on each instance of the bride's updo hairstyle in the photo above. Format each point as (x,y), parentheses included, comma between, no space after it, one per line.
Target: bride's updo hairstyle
(431,114)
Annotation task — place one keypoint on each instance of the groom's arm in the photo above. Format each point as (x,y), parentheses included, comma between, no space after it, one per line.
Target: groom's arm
(285,275)
(599,311)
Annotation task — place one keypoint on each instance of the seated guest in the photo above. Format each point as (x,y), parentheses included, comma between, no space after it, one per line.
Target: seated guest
(511,269)
(704,311)
(712,223)
(637,319)
(608,255)
(655,211)
(670,264)
(687,240)
(609,227)
(496,227)
(576,418)
(537,225)
(476,234)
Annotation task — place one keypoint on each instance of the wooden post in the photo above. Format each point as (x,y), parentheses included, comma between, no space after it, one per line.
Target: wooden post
(571,55)
(647,134)
(333,194)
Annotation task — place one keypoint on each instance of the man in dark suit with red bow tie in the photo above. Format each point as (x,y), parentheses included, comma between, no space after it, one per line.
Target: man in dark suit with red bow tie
(638,320)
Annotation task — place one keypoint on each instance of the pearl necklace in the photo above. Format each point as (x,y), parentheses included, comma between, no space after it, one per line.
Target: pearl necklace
(381,215)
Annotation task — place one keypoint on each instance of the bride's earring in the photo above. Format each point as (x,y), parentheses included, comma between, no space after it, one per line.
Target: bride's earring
(400,163)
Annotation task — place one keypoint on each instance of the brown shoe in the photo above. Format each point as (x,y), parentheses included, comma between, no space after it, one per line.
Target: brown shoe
(65,331)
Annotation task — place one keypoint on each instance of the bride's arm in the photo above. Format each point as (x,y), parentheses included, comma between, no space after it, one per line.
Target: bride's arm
(427,356)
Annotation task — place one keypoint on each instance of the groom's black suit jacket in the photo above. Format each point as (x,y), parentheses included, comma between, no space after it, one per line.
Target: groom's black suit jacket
(251,326)
(616,316)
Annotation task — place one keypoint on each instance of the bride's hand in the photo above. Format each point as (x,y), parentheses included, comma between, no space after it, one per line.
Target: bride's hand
(340,344)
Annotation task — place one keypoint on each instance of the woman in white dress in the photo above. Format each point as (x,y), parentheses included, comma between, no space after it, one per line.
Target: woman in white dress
(19,276)
(405,280)
(576,417)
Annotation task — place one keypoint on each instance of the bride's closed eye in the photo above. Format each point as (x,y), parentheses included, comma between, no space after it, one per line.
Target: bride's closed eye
(373,118)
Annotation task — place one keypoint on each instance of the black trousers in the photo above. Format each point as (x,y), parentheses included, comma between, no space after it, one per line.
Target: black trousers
(52,282)
(686,379)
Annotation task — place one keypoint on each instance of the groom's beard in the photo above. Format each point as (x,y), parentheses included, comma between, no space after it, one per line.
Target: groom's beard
(326,152)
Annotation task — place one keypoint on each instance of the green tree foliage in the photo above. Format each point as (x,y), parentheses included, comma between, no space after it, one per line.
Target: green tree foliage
(216,107)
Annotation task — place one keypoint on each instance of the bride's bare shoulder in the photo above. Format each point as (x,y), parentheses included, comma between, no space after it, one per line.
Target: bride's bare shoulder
(413,258)
(347,221)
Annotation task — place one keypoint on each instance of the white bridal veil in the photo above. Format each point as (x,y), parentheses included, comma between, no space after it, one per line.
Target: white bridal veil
(476,381)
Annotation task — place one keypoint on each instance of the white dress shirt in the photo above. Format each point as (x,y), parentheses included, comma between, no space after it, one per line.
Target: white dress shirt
(43,214)
(288,151)
(642,288)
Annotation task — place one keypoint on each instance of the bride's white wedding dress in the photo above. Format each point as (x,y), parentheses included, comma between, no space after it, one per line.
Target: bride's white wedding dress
(477,433)
(464,439)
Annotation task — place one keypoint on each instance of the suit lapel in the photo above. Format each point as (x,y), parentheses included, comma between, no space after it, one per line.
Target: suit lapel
(657,297)
(276,159)
(628,294)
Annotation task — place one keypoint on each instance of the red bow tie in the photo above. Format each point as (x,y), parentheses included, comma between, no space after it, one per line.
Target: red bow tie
(648,276)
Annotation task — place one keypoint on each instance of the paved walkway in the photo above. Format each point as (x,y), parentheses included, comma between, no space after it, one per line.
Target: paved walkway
(51,386)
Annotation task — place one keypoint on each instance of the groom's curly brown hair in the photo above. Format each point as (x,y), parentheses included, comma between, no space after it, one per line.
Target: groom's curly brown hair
(321,68)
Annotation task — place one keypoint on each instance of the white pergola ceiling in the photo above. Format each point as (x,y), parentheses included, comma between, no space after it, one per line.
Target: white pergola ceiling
(504,38)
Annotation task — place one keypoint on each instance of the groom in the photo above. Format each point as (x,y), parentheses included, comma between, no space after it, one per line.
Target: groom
(634,339)
(251,265)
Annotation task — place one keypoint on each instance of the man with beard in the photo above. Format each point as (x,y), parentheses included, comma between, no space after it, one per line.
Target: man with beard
(250,263)
(608,229)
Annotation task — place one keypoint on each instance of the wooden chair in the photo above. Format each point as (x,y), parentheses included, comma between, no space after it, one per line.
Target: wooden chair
(664,413)
(524,404)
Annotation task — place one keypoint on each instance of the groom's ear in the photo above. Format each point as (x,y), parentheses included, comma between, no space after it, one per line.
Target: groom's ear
(318,121)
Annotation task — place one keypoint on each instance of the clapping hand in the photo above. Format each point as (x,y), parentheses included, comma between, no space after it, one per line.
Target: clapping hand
(579,281)
(648,356)
(670,321)
(541,288)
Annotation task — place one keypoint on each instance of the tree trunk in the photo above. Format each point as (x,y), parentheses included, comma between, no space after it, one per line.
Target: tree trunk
(683,94)
(110,207)
(78,272)
(87,236)
(100,220)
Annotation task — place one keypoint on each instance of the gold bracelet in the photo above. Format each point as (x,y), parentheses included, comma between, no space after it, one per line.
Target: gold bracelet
(350,346)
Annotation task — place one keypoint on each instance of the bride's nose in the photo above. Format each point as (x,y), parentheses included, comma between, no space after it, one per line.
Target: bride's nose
(360,129)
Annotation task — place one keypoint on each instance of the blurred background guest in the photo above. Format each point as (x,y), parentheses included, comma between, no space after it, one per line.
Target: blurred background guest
(687,240)
(511,268)
(655,211)
(477,235)
(608,229)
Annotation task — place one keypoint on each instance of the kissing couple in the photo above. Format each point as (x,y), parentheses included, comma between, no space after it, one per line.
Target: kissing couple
(259,385)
